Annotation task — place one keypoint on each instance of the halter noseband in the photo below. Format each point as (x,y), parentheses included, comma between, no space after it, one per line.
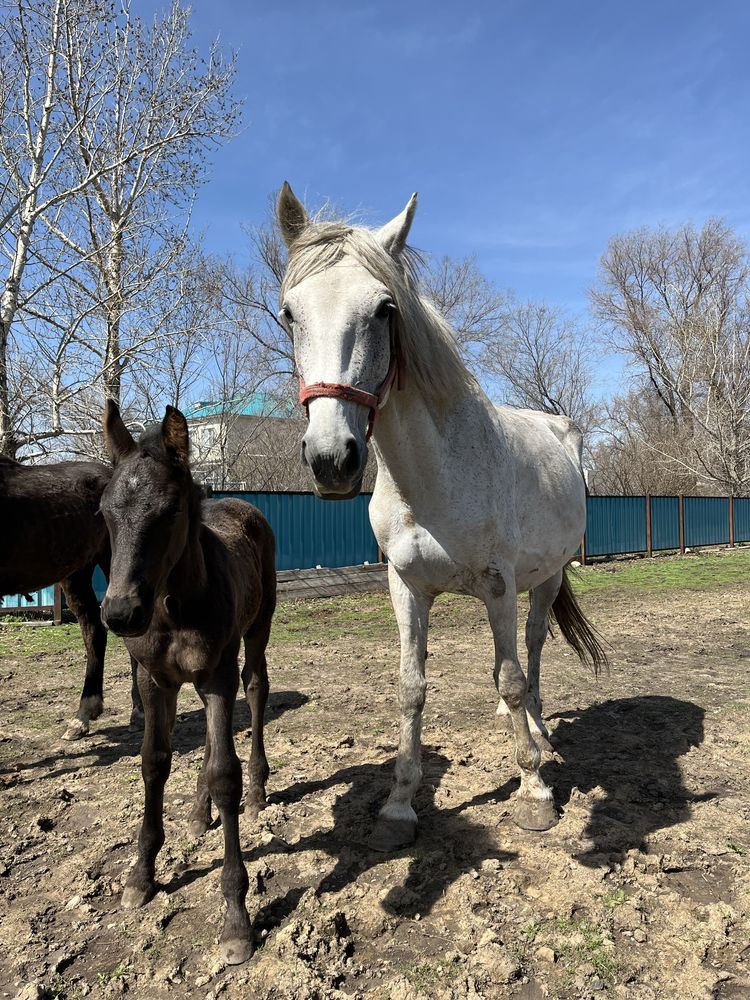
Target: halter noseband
(374,401)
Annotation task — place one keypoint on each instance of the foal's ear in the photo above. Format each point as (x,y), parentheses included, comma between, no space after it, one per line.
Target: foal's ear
(174,434)
(117,437)
(393,235)
(291,214)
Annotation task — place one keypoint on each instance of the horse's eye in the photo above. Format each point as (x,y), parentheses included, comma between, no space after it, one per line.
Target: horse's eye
(384,310)
(286,315)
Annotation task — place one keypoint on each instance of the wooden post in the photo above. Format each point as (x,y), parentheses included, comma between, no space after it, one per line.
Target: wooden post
(649,550)
(731,522)
(381,556)
(583,550)
(57,607)
(682,523)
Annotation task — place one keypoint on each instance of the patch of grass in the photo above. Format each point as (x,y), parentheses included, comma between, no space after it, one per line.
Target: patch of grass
(424,976)
(701,571)
(614,899)
(584,942)
(20,640)
(105,978)
(531,929)
(737,848)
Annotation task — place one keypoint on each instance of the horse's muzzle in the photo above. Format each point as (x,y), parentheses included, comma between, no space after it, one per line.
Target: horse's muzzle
(337,474)
(125,616)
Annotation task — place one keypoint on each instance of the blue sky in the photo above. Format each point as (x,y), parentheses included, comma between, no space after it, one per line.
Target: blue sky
(533,131)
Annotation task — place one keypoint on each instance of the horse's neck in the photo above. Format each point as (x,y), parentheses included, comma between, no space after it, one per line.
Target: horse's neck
(422,446)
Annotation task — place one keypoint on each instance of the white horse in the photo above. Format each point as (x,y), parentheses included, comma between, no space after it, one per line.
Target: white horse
(469,499)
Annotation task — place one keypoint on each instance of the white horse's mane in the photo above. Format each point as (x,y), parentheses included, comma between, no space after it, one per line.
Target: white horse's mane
(424,339)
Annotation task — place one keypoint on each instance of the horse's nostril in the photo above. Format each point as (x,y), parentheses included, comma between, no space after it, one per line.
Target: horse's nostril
(350,465)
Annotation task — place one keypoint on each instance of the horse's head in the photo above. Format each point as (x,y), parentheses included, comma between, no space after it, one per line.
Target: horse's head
(147,509)
(338,303)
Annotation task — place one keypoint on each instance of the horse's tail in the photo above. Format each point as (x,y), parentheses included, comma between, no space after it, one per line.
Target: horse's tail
(577,630)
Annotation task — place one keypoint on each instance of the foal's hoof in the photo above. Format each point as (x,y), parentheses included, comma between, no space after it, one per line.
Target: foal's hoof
(198,827)
(534,814)
(392,834)
(236,951)
(133,897)
(137,720)
(77,729)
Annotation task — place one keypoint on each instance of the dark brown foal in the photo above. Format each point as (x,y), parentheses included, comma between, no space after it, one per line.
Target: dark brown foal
(51,531)
(189,581)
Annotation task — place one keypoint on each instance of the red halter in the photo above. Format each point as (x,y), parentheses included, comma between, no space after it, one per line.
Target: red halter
(374,401)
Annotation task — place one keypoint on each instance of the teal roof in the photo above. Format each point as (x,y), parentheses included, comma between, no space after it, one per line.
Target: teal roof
(255,404)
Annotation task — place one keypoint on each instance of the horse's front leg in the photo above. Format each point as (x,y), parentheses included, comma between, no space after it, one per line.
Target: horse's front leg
(224,778)
(82,601)
(397,823)
(533,807)
(136,712)
(159,706)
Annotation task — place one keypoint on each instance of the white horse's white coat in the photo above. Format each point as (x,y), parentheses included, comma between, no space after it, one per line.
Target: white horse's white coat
(469,498)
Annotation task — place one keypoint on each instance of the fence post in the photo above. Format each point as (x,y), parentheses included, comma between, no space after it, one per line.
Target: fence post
(681,499)
(583,550)
(649,550)
(57,607)
(731,522)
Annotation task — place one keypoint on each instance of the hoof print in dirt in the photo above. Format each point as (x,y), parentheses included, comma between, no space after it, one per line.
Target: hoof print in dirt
(534,814)
(392,835)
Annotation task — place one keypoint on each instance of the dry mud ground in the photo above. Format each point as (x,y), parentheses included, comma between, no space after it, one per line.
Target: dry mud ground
(641,891)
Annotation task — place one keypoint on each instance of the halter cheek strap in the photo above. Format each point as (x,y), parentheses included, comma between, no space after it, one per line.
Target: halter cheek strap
(374,401)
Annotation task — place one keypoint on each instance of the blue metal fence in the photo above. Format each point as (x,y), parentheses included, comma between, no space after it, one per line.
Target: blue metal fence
(313,533)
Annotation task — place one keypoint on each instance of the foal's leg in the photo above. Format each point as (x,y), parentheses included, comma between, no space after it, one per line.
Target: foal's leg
(533,805)
(537,628)
(160,705)
(200,817)
(136,711)
(397,822)
(224,777)
(83,603)
(255,683)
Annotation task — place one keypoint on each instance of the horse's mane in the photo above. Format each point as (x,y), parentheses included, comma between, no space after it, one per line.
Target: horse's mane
(425,340)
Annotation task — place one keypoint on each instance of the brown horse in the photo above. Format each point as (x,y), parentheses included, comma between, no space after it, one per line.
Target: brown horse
(51,531)
(189,582)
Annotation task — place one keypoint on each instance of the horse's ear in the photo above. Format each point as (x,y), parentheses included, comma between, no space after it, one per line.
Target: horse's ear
(291,214)
(117,437)
(174,434)
(393,235)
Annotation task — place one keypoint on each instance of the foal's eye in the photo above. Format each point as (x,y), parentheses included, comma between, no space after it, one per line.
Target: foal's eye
(384,310)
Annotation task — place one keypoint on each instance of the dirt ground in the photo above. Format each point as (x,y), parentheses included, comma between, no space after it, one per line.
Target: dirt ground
(641,891)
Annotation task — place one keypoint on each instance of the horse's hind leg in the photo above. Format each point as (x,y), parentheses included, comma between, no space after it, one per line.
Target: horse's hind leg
(255,683)
(224,777)
(537,629)
(200,817)
(397,823)
(159,705)
(82,602)
(533,807)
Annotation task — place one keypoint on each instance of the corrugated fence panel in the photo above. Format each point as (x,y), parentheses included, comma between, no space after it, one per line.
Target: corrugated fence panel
(665,523)
(742,519)
(313,532)
(44,598)
(706,520)
(615,524)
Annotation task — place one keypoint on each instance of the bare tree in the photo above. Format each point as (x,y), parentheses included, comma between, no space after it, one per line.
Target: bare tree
(675,303)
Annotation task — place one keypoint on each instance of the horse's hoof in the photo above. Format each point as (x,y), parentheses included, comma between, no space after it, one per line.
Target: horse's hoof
(137,720)
(198,827)
(503,722)
(392,834)
(543,742)
(534,814)
(77,729)
(236,951)
(133,897)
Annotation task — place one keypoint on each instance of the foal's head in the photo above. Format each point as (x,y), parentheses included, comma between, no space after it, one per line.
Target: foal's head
(147,507)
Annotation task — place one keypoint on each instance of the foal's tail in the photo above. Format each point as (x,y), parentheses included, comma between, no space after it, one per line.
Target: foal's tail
(577,630)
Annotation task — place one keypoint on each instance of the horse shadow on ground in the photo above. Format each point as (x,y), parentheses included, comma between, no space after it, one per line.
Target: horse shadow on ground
(107,744)
(628,748)
(448,843)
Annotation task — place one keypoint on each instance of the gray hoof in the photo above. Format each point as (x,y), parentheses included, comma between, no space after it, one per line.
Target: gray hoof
(133,897)
(198,827)
(392,834)
(236,951)
(76,730)
(137,720)
(534,814)
(543,742)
